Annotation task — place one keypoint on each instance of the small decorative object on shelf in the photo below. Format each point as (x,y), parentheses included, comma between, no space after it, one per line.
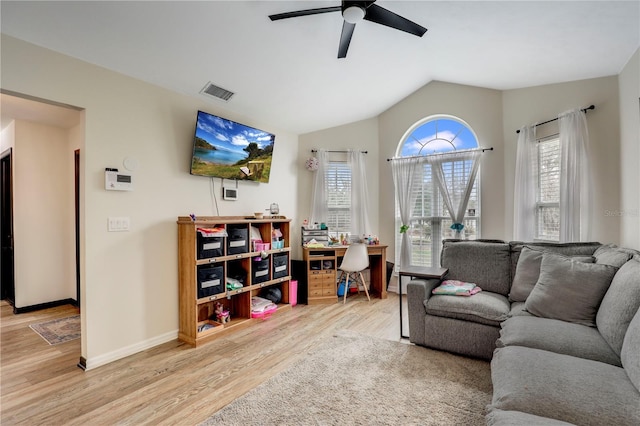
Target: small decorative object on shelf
(370,240)
(222,316)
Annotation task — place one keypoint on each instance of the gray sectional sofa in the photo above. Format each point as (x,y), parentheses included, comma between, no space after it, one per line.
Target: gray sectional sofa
(559,322)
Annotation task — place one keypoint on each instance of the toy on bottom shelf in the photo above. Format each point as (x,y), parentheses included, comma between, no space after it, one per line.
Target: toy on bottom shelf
(222,316)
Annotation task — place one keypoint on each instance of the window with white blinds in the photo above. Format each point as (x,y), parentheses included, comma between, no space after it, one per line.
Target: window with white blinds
(548,191)
(430,220)
(338,186)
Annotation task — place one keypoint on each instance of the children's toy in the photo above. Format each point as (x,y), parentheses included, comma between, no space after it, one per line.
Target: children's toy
(221,315)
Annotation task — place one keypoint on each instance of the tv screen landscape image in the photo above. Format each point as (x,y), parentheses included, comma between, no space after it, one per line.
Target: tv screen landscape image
(226,149)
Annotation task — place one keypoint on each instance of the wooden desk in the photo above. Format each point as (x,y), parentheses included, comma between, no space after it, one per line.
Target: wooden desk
(426,272)
(322,265)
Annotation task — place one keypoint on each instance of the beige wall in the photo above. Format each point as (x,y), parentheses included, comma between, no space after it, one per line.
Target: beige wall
(129,279)
(482,110)
(361,135)
(7,137)
(43,208)
(541,103)
(628,210)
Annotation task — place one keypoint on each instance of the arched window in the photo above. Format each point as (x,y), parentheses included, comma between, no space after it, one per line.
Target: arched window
(430,223)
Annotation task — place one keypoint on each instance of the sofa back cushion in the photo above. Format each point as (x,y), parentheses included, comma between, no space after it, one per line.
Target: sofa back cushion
(569,290)
(611,254)
(487,264)
(630,355)
(620,304)
(528,271)
(568,249)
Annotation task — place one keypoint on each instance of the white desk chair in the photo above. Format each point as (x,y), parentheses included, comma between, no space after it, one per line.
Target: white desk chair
(355,260)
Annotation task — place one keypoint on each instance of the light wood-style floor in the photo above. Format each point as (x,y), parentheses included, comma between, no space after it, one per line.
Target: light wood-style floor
(171,384)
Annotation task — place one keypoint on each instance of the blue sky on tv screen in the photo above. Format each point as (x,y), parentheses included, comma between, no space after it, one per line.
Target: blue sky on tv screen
(440,135)
(228,135)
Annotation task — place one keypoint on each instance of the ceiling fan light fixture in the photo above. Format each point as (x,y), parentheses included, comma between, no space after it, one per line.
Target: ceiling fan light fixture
(353,14)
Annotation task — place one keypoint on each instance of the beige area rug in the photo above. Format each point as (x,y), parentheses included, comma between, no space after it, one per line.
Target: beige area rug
(58,331)
(359,380)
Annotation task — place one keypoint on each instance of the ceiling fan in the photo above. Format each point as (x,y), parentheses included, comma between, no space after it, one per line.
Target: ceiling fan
(354,12)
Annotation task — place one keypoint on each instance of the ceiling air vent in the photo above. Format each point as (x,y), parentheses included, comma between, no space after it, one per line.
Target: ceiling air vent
(217,92)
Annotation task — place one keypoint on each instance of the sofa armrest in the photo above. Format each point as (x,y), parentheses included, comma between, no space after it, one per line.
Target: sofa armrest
(418,291)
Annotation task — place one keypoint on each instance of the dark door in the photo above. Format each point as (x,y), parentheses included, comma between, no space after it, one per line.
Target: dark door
(76,158)
(7,285)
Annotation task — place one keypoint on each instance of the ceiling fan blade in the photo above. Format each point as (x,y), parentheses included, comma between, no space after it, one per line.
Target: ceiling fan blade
(345,38)
(304,12)
(382,16)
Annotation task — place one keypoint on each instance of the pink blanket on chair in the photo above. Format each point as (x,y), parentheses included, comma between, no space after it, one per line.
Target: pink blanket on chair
(456,288)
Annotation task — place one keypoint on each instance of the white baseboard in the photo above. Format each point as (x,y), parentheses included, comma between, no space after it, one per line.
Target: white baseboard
(97,361)
(393,285)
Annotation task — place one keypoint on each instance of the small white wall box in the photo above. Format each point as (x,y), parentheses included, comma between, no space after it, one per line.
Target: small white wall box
(117,181)
(229,193)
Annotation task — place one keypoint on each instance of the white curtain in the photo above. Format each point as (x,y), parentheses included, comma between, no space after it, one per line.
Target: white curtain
(319,203)
(455,185)
(359,194)
(524,191)
(404,170)
(575,176)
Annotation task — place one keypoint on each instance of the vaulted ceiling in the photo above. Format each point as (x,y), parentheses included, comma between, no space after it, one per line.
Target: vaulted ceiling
(286,73)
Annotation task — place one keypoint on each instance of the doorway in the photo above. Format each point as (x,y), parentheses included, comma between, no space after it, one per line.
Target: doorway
(7,283)
(57,130)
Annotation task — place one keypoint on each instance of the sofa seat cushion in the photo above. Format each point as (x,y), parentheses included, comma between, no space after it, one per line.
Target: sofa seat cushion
(518,418)
(557,336)
(484,307)
(620,304)
(563,387)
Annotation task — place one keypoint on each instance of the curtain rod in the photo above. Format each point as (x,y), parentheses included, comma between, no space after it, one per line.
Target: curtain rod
(342,150)
(554,119)
(445,153)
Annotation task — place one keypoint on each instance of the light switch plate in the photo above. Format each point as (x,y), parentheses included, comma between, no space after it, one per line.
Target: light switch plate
(118,224)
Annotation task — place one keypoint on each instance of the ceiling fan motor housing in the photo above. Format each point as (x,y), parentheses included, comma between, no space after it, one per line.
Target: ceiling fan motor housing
(353,14)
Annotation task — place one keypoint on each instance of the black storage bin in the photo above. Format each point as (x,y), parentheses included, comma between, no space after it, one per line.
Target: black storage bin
(237,240)
(210,280)
(259,270)
(280,265)
(209,246)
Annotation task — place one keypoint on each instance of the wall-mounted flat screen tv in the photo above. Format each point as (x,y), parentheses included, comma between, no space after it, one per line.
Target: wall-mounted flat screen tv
(226,149)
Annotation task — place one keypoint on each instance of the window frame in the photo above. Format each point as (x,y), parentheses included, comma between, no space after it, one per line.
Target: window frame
(334,224)
(542,203)
(437,223)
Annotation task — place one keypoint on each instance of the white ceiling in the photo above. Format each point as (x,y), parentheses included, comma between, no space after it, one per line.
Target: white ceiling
(286,74)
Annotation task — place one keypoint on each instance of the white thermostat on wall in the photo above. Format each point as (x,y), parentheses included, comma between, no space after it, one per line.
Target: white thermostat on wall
(229,193)
(117,181)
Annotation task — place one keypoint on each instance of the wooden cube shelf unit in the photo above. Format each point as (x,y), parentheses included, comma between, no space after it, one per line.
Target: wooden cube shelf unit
(204,263)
